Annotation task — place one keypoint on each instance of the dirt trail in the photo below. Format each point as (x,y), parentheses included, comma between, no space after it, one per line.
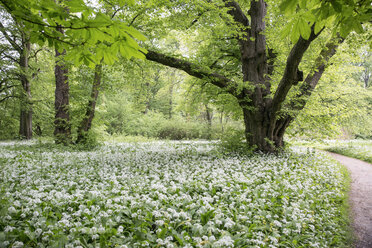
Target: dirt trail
(360,199)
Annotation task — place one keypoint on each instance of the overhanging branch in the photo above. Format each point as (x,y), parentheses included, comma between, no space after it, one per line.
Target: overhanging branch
(193,70)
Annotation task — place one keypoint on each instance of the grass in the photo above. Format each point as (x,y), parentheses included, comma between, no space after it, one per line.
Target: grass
(359,149)
(168,194)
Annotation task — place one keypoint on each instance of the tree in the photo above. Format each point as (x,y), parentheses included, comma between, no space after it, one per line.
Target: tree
(86,123)
(366,73)
(81,34)
(62,126)
(19,44)
(268,108)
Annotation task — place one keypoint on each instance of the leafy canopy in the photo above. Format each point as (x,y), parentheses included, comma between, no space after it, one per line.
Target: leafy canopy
(345,15)
(89,33)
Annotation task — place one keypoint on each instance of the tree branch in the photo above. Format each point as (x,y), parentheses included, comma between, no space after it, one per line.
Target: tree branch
(306,89)
(7,97)
(236,12)
(291,72)
(10,58)
(193,70)
(312,79)
(9,39)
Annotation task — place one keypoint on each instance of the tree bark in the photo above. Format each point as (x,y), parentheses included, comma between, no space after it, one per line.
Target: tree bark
(62,126)
(86,123)
(24,49)
(25,120)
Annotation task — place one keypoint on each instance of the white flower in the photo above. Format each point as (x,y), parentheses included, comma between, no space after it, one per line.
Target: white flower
(38,231)
(17,244)
(277,223)
(159,222)
(101,229)
(225,241)
(12,210)
(8,229)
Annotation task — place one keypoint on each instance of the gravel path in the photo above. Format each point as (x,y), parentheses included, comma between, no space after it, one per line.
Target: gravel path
(360,199)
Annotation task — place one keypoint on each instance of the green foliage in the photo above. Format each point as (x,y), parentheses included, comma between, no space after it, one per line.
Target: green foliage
(179,129)
(233,141)
(9,119)
(342,16)
(359,149)
(89,34)
(89,141)
(340,105)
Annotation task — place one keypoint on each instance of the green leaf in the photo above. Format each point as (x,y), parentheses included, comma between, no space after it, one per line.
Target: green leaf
(318,26)
(288,6)
(108,58)
(303,4)
(337,6)
(287,29)
(101,20)
(346,27)
(295,32)
(357,26)
(177,237)
(162,233)
(75,6)
(305,29)
(134,33)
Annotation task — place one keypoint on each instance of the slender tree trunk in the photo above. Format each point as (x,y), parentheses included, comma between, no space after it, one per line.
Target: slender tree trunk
(25,120)
(62,126)
(208,115)
(170,113)
(221,121)
(86,123)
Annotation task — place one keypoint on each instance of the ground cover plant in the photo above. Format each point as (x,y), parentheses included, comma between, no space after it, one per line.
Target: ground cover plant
(168,194)
(360,149)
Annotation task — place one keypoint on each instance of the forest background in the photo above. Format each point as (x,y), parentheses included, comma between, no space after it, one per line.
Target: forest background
(114,93)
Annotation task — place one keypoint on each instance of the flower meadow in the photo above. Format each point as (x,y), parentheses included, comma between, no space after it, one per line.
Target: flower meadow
(168,194)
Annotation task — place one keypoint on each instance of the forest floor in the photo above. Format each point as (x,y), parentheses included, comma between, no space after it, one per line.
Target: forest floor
(360,199)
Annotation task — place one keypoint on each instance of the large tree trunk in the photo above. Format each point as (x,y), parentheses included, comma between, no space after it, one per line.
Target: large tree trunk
(25,120)
(62,126)
(86,123)
(257,129)
(265,123)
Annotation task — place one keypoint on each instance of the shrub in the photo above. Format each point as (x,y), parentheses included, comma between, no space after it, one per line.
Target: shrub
(233,141)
